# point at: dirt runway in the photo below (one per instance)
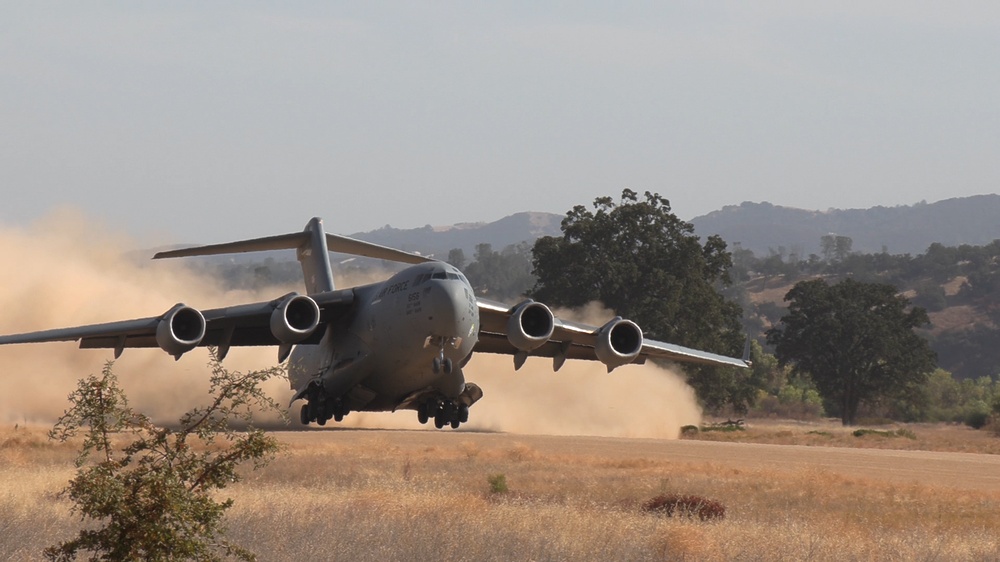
(964, 471)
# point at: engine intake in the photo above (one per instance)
(294, 319)
(618, 343)
(529, 326)
(180, 330)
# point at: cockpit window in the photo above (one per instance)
(444, 275)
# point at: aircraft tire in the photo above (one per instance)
(439, 422)
(321, 421)
(422, 416)
(455, 424)
(448, 366)
(463, 413)
(304, 414)
(436, 365)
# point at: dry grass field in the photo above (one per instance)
(340, 494)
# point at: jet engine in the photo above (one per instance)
(618, 342)
(529, 326)
(180, 330)
(294, 319)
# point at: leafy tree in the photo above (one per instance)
(836, 248)
(637, 258)
(456, 257)
(148, 492)
(502, 275)
(856, 341)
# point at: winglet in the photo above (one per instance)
(746, 352)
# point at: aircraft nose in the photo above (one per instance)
(451, 308)
(443, 306)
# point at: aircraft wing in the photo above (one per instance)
(512, 330)
(285, 321)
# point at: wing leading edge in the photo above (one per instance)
(284, 322)
(618, 342)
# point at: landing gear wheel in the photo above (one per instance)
(304, 414)
(436, 365)
(463, 413)
(455, 424)
(439, 421)
(321, 421)
(448, 366)
(422, 417)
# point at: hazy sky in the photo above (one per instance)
(210, 121)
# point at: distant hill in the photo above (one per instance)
(760, 227)
(905, 229)
(514, 229)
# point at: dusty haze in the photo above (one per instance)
(66, 271)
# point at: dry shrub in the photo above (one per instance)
(688, 506)
(521, 452)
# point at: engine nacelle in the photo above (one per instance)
(294, 319)
(529, 326)
(618, 343)
(180, 330)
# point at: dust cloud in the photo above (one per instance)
(66, 270)
(582, 398)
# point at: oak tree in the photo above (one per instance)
(855, 340)
(638, 259)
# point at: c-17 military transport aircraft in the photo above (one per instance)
(398, 344)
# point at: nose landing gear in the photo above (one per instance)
(442, 363)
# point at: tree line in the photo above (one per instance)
(849, 343)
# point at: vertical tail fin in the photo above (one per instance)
(310, 248)
(315, 259)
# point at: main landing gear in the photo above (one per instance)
(319, 409)
(443, 412)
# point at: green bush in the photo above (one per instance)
(901, 432)
(498, 483)
(976, 419)
(689, 430)
(151, 493)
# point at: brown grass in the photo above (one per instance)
(377, 495)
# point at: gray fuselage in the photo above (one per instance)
(402, 331)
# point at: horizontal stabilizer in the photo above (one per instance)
(299, 240)
(345, 245)
(282, 242)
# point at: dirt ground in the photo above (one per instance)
(960, 470)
